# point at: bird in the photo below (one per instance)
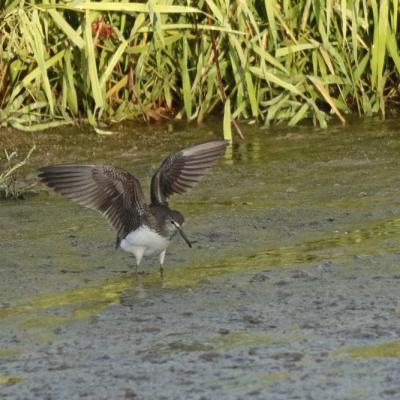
(142, 229)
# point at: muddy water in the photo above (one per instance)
(291, 289)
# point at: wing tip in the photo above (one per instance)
(213, 146)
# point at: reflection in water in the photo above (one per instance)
(228, 156)
(245, 152)
(253, 150)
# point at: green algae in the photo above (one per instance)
(10, 352)
(276, 376)
(251, 338)
(226, 342)
(10, 379)
(251, 381)
(383, 350)
(356, 392)
(99, 297)
(45, 320)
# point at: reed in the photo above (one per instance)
(9, 189)
(269, 61)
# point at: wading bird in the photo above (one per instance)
(142, 229)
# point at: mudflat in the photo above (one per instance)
(291, 290)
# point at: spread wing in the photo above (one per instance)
(115, 193)
(179, 172)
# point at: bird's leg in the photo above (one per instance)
(138, 256)
(162, 256)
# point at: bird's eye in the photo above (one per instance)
(172, 222)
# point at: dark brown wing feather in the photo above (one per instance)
(180, 171)
(115, 193)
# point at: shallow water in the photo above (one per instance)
(291, 287)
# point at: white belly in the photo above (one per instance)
(144, 241)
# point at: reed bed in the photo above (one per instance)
(269, 61)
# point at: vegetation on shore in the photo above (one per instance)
(9, 188)
(269, 61)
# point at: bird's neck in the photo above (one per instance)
(159, 216)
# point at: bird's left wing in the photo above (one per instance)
(115, 193)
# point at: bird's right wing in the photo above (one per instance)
(179, 172)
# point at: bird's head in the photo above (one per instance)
(175, 221)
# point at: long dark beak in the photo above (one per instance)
(185, 238)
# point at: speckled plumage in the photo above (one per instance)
(118, 195)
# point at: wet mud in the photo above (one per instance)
(291, 290)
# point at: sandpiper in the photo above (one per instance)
(142, 229)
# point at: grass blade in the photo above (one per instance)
(227, 121)
(67, 29)
(318, 84)
(91, 59)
